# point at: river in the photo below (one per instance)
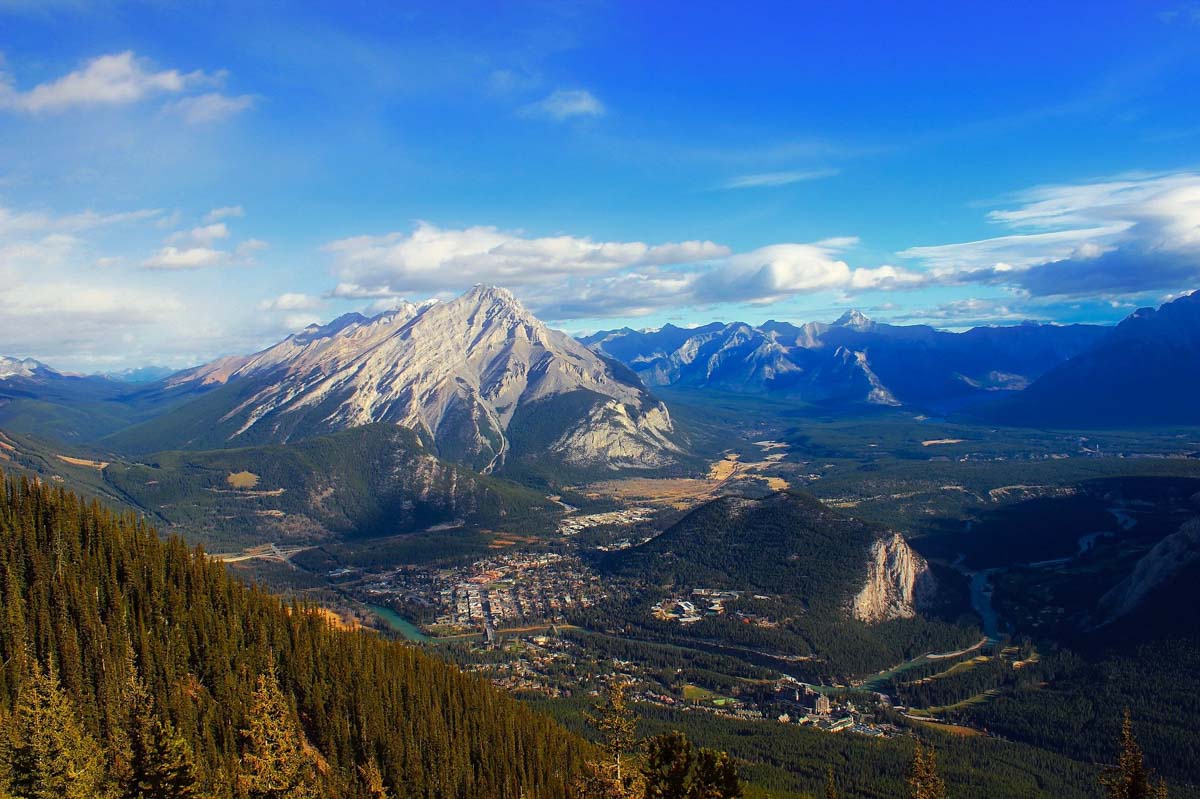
(398, 624)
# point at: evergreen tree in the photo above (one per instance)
(161, 764)
(46, 751)
(924, 782)
(668, 765)
(673, 770)
(611, 777)
(372, 781)
(715, 777)
(276, 760)
(1129, 778)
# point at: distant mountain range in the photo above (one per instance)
(1145, 371)
(852, 360)
(484, 383)
(479, 379)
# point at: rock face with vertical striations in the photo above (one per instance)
(898, 584)
(478, 379)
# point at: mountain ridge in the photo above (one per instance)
(853, 359)
(457, 373)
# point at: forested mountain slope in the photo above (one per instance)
(103, 621)
(1146, 371)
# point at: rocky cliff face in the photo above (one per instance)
(1163, 562)
(899, 582)
(456, 373)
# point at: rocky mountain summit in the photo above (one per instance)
(1143, 372)
(852, 359)
(22, 367)
(478, 379)
(899, 582)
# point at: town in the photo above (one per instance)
(492, 594)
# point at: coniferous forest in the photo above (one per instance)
(136, 667)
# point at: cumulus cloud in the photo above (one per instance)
(570, 277)
(292, 301)
(432, 258)
(171, 257)
(69, 300)
(566, 104)
(210, 107)
(204, 235)
(777, 271)
(117, 79)
(774, 179)
(246, 249)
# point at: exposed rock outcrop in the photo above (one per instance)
(1163, 562)
(898, 583)
(455, 372)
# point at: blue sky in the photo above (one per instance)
(183, 180)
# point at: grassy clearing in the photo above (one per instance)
(242, 480)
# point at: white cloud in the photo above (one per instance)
(1128, 234)
(570, 276)
(774, 179)
(117, 79)
(225, 212)
(970, 311)
(204, 235)
(186, 258)
(431, 258)
(246, 249)
(1015, 252)
(103, 319)
(25, 222)
(777, 271)
(565, 104)
(291, 301)
(211, 107)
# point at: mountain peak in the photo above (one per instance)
(854, 318)
(22, 367)
(483, 294)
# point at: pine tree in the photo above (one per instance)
(1129, 778)
(372, 781)
(673, 770)
(47, 753)
(715, 777)
(668, 765)
(611, 777)
(276, 759)
(161, 762)
(924, 782)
